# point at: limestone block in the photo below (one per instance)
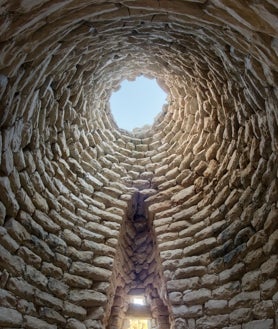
(184, 311)
(245, 299)
(251, 280)
(268, 288)
(7, 299)
(73, 310)
(264, 309)
(97, 248)
(2, 213)
(10, 317)
(213, 321)
(271, 247)
(46, 222)
(90, 271)
(227, 291)
(254, 258)
(103, 261)
(43, 298)
(7, 241)
(183, 284)
(200, 296)
(271, 222)
(241, 315)
(8, 197)
(58, 288)
(25, 201)
(75, 324)
(75, 281)
(13, 264)
(7, 162)
(71, 238)
(31, 322)
(269, 267)
(26, 307)
(16, 230)
(80, 255)
(51, 270)
(35, 277)
(214, 306)
(184, 194)
(199, 247)
(232, 274)
(87, 298)
(21, 288)
(89, 234)
(51, 316)
(175, 298)
(191, 271)
(258, 324)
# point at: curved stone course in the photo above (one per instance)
(183, 212)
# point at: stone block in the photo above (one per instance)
(51, 270)
(232, 274)
(74, 324)
(31, 322)
(87, 298)
(184, 194)
(268, 288)
(259, 324)
(193, 297)
(216, 306)
(240, 315)
(270, 267)
(227, 291)
(245, 299)
(75, 311)
(264, 309)
(45, 299)
(58, 288)
(35, 277)
(10, 318)
(191, 271)
(13, 264)
(52, 316)
(183, 311)
(7, 299)
(175, 298)
(211, 322)
(251, 280)
(8, 198)
(90, 271)
(183, 284)
(200, 247)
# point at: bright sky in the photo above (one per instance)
(137, 103)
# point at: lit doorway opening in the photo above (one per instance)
(138, 314)
(137, 103)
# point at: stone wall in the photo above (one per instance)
(184, 212)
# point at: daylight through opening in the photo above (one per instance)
(137, 103)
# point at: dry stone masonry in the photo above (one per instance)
(183, 213)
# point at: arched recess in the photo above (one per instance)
(137, 272)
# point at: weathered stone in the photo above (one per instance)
(214, 321)
(10, 318)
(184, 208)
(187, 312)
(31, 322)
(87, 298)
(196, 296)
(258, 324)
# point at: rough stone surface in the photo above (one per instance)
(183, 212)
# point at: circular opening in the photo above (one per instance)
(137, 103)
